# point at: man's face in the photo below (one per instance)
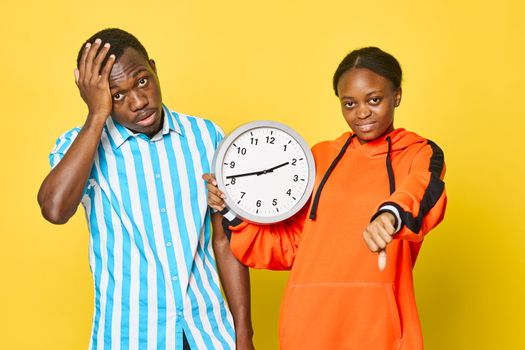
(135, 89)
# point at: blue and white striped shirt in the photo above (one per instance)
(150, 250)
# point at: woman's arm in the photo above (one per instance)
(270, 247)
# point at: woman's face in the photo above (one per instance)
(368, 101)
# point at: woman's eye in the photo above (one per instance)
(349, 104)
(118, 97)
(143, 81)
(375, 100)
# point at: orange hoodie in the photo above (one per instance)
(336, 297)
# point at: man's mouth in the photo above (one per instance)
(147, 119)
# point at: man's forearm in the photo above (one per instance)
(235, 280)
(62, 189)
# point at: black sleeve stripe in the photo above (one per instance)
(437, 161)
(433, 192)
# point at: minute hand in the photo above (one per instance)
(261, 172)
(245, 174)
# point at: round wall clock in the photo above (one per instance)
(266, 171)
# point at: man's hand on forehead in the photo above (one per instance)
(92, 78)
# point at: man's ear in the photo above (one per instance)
(152, 64)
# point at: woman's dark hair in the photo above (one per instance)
(119, 41)
(372, 58)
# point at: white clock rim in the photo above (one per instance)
(218, 165)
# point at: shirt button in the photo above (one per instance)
(179, 313)
(175, 278)
(157, 175)
(168, 244)
(163, 210)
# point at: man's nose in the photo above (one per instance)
(137, 101)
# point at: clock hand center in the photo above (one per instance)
(270, 170)
(261, 172)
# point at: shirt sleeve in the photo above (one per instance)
(419, 202)
(270, 247)
(219, 135)
(61, 146)
(217, 138)
(216, 133)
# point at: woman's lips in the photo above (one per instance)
(366, 127)
(149, 120)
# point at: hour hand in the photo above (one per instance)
(261, 172)
(272, 169)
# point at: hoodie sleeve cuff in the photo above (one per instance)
(398, 224)
(229, 219)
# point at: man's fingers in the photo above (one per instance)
(90, 58)
(107, 68)
(77, 75)
(82, 63)
(97, 62)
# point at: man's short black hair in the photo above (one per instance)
(119, 41)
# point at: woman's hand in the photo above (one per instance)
(378, 234)
(215, 196)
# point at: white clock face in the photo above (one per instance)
(266, 174)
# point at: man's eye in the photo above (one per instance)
(349, 105)
(118, 97)
(143, 81)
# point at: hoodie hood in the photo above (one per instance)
(382, 147)
(399, 139)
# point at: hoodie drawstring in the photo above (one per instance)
(315, 204)
(389, 170)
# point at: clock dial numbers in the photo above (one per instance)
(270, 139)
(263, 171)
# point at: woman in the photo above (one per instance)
(378, 189)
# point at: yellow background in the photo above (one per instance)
(236, 61)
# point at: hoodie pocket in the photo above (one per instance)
(340, 316)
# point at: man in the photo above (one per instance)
(136, 168)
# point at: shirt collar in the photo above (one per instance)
(120, 134)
